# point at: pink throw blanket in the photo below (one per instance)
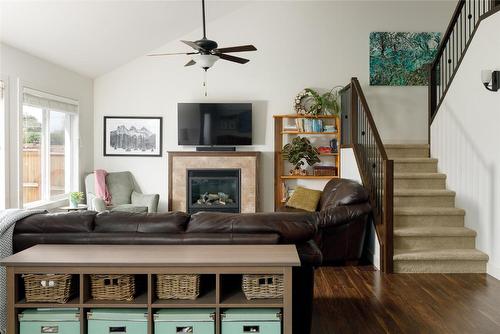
(101, 190)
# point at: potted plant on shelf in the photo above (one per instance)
(330, 101)
(297, 151)
(75, 198)
(310, 102)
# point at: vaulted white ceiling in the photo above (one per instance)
(95, 37)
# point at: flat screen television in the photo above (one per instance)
(214, 124)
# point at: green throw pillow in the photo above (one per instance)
(305, 199)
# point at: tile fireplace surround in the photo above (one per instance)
(180, 162)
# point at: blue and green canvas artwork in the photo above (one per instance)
(401, 58)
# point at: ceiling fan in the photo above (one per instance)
(207, 52)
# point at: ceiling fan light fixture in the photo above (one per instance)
(205, 61)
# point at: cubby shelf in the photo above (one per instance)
(292, 177)
(237, 299)
(229, 295)
(220, 267)
(206, 299)
(73, 302)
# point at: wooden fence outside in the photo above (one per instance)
(32, 173)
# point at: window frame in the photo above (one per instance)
(4, 149)
(71, 151)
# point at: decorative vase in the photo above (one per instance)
(73, 203)
(297, 171)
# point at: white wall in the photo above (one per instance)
(301, 44)
(464, 138)
(18, 66)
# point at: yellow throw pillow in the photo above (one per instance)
(305, 199)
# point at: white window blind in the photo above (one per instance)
(38, 99)
(1, 89)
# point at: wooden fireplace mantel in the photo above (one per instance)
(180, 161)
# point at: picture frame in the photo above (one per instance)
(132, 136)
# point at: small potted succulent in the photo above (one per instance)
(75, 198)
(297, 151)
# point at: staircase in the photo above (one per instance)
(429, 231)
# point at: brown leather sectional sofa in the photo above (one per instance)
(338, 227)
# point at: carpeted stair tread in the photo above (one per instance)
(419, 176)
(435, 231)
(409, 146)
(440, 255)
(414, 160)
(428, 211)
(423, 192)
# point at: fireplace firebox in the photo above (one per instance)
(213, 190)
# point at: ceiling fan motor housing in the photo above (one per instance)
(206, 44)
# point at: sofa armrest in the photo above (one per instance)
(310, 254)
(151, 201)
(341, 215)
(98, 204)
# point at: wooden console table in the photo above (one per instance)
(220, 265)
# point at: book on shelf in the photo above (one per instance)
(309, 125)
(325, 171)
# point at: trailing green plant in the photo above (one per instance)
(76, 196)
(327, 103)
(299, 149)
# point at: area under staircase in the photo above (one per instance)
(429, 231)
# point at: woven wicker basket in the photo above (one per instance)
(47, 288)
(263, 286)
(113, 287)
(177, 286)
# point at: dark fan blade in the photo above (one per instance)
(241, 48)
(191, 62)
(233, 58)
(172, 54)
(193, 45)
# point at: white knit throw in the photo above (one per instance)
(8, 219)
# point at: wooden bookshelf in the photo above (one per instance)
(283, 134)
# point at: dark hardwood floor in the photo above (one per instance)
(362, 300)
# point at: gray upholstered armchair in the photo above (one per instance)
(124, 194)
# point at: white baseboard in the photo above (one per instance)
(376, 262)
(493, 270)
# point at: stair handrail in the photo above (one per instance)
(376, 169)
(464, 22)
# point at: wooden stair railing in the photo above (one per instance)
(463, 25)
(377, 171)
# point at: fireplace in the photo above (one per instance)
(213, 190)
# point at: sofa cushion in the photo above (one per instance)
(339, 192)
(116, 221)
(64, 222)
(292, 227)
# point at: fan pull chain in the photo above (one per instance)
(205, 82)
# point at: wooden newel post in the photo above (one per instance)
(388, 213)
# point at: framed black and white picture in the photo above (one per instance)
(133, 136)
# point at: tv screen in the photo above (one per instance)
(214, 124)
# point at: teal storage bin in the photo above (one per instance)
(41, 321)
(175, 321)
(117, 321)
(244, 321)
